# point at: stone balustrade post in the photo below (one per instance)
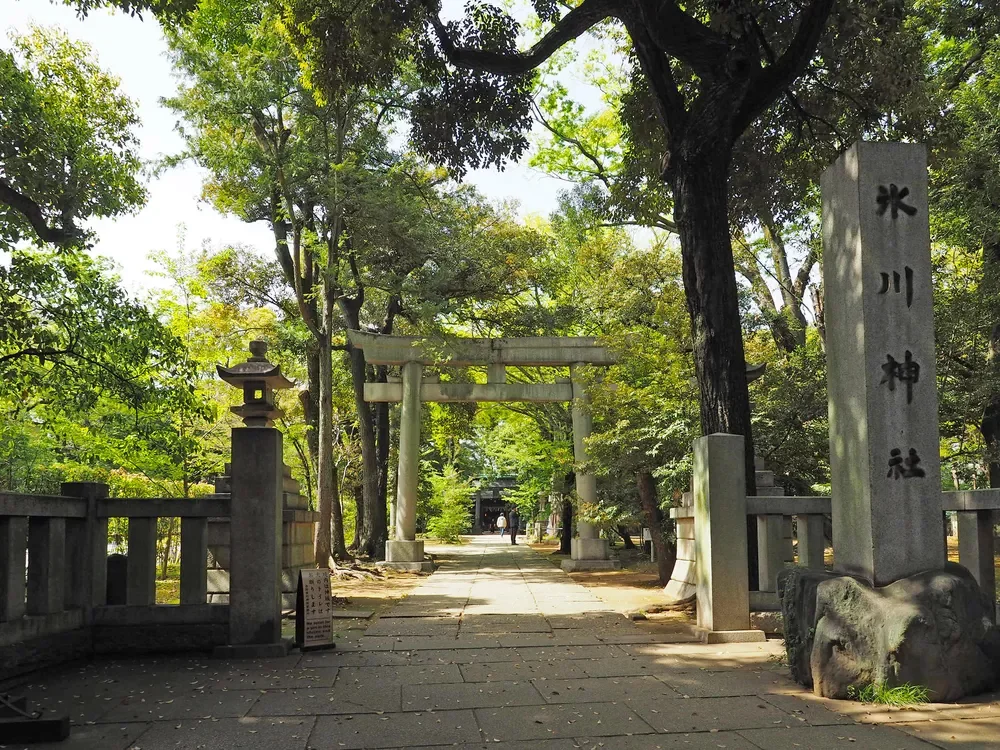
(46, 565)
(770, 551)
(812, 542)
(140, 585)
(13, 547)
(255, 545)
(720, 507)
(194, 560)
(87, 549)
(975, 549)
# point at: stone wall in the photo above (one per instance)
(297, 531)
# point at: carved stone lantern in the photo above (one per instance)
(259, 379)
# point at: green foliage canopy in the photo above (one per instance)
(68, 150)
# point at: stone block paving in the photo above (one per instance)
(497, 650)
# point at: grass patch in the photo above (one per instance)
(901, 695)
(168, 590)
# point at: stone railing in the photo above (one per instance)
(54, 566)
(716, 504)
(54, 575)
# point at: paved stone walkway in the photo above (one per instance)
(498, 649)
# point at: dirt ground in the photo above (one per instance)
(634, 589)
(378, 594)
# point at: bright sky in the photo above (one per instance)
(135, 51)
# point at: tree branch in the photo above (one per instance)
(33, 213)
(767, 83)
(679, 35)
(601, 172)
(575, 23)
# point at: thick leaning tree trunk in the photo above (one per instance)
(626, 537)
(665, 556)
(701, 208)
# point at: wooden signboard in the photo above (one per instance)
(314, 610)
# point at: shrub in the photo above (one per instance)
(451, 498)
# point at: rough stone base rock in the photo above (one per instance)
(769, 623)
(932, 629)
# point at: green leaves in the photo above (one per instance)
(72, 334)
(67, 147)
(450, 504)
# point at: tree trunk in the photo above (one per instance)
(700, 187)
(373, 526)
(373, 523)
(626, 539)
(167, 546)
(310, 404)
(322, 544)
(566, 533)
(337, 531)
(990, 424)
(665, 555)
(359, 504)
(330, 534)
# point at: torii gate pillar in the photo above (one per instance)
(587, 550)
(405, 552)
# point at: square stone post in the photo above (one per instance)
(87, 549)
(46, 565)
(884, 459)
(140, 580)
(588, 550)
(405, 552)
(975, 549)
(255, 545)
(812, 543)
(13, 547)
(720, 508)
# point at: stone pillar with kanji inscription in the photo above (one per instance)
(883, 406)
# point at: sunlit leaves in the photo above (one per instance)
(67, 141)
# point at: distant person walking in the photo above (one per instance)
(514, 521)
(501, 524)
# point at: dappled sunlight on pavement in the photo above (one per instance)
(497, 649)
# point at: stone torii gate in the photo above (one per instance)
(411, 354)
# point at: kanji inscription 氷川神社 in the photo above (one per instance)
(891, 199)
(904, 468)
(885, 463)
(896, 278)
(907, 371)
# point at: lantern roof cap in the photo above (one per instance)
(256, 368)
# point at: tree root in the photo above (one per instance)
(357, 570)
